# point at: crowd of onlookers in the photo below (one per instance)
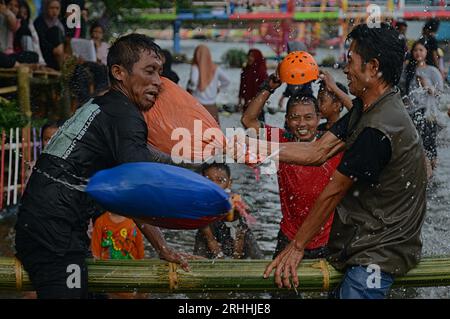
(48, 41)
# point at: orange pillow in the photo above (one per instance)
(179, 125)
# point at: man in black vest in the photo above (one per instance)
(379, 188)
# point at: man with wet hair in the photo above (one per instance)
(52, 224)
(379, 186)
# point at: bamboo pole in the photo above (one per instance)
(23, 83)
(8, 90)
(22, 164)
(16, 167)
(215, 276)
(8, 189)
(2, 169)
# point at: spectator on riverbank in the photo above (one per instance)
(101, 47)
(206, 80)
(26, 38)
(51, 34)
(10, 24)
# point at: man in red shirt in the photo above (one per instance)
(299, 186)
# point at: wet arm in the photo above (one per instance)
(211, 241)
(311, 154)
(322, 209)
(344, 98)
(250, 117)
(153, 235)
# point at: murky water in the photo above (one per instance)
(263, 197)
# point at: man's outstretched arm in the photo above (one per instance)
(311, 154)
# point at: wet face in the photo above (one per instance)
(420, 52)
(143, 84)
(219, 177)
(14, 6)
(359, 74)
(327, 105)
(97, 34)
(47, 135)
(54, 9)
(302, 120)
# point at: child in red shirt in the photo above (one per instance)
(116, 237)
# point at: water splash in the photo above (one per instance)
(80, 188)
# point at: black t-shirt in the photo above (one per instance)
(108, 131)
(368, 155)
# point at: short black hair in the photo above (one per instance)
(303, 99)
(220, 166)
(432, 25)
(51, 124)
(400, 23)
(96, 25)
(126, 51)
(341, 86)
(384, 44)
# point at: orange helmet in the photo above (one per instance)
(298, 67)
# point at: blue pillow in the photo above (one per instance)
(161, 195)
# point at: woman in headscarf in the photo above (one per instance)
(167, 67)
(51, 33)
(206, 80)
(252, 76)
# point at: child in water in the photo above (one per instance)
(330, 103)
(232, 236)
(116, 237)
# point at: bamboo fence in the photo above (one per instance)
(215, 276)
(19, 146)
